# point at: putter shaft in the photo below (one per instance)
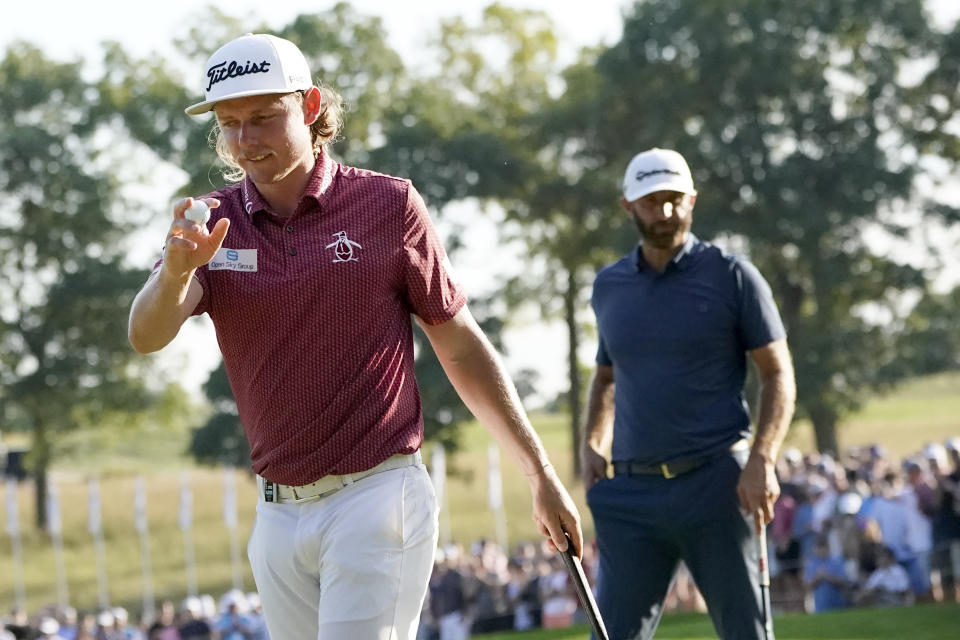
(583, 591)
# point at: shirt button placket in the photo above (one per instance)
(291, 250)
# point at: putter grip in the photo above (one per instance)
(583, 590)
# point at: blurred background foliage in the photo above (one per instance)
(818, 133)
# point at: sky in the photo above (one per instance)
(78, 27)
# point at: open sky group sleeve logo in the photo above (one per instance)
(343, 247)
(234, 260)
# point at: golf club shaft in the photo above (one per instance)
(583, 591)
(763, 560)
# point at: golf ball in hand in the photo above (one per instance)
(199, 212)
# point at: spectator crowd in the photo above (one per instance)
(866, 529)
(861, 529)
(237, 617)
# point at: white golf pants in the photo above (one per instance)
(353, 564)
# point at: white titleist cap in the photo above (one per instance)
(252, 65)
(657, 170)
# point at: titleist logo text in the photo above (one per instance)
(220, 72)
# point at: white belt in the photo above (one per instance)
(275, 492)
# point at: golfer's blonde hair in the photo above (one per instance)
(325, 130)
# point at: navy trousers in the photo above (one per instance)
(646, 524)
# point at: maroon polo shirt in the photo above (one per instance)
(313, 317)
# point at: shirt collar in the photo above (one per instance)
(316, 188)
(321, 178)
(680, 261)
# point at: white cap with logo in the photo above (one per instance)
(657, 170)
(251, 65)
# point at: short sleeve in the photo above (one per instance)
(603, 358)
(201, 275)
(432, 290)
(760, 322)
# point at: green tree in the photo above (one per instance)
(798, 123)
(220, 441)
(936, 102)
(478, 128)
(931, 335)
(64, 291)
(443, 411)
(349, 52)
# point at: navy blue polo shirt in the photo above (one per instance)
(677, 342)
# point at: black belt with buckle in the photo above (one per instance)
(667, 469)
(670, 469)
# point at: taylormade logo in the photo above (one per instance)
(223, 71)
(646, 174)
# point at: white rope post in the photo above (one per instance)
(186, 526)
(95, 527)
(142, 525)
(230, 520)
(16, 547)
(55, 525)
(495, 496)
(438, 474)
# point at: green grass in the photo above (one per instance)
(926, 622)
(922, 410)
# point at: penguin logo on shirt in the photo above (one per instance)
(343, 247)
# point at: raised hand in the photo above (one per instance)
(190, 245)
